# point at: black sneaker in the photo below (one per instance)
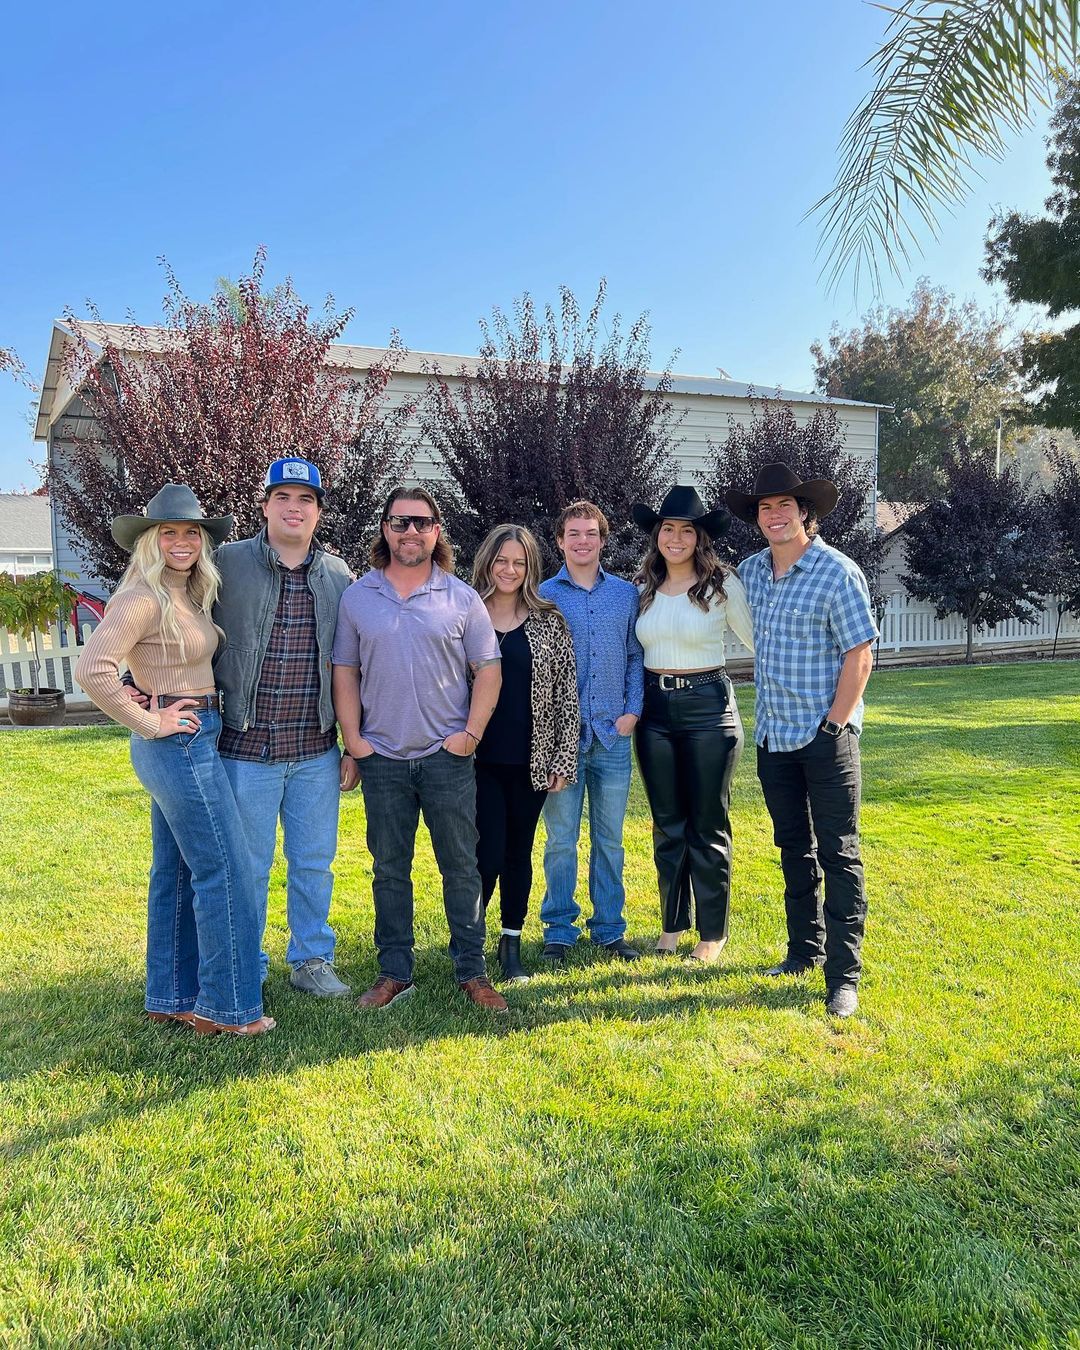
(842, 1000)
(790, 965)
(555, 953)
(622, 949)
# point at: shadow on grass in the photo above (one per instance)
(94, 1024)
(824, 1224)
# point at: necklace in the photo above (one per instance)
(500, 638)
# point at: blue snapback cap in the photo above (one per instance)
(294, 473)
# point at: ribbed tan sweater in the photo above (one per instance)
(130, 634)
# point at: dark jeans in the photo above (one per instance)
(443, 786)
(507, 811)
(813, 797)
(688, 743)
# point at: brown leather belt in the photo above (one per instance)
(209, 702)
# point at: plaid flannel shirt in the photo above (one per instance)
(286, 723)
(804, 624)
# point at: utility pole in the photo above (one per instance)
(997, 455)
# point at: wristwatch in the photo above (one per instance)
(832, 728)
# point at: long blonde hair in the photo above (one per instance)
(148, 567)
(534, 567)
(709, 585)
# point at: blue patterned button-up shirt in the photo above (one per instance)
(610, 662)
(804, 624)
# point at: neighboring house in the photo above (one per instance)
(891, 521)
(25, 534)
(709, 406)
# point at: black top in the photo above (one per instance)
(509, 733)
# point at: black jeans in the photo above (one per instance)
(813, 797)
(688, 743)
(443, 786)
(507, 810)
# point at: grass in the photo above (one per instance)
(639, 1156)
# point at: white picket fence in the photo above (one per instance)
(60, 653)
(907, 626)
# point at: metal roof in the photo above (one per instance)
(56, 394)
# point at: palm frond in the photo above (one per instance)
(953, 80)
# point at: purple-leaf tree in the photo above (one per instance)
(555, 412)
(209, 399)
(985, 549)
(813, 449)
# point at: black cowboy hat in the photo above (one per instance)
(682, 503)
(175, 502)
(776, 480)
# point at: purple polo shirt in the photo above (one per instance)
(413, 653)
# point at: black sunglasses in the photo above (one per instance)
(422, 524)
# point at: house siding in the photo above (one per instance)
(704, 417)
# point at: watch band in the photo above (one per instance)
(832, 728)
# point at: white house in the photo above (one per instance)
(708, 405)
(25, 534)
(891, 520)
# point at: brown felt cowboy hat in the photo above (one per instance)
(682, 503)
(175, 502)
(776, 480)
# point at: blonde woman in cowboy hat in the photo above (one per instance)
(202, 942)
(690, 737)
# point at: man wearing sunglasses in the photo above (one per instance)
(409, 635)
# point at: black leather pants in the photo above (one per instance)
(688, 743)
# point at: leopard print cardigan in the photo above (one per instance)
(556, 720)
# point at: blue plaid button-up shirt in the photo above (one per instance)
(610, 661)
(804, 624)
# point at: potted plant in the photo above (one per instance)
(28, 607)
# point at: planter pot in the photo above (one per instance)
(43, 709)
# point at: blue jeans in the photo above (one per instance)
(605, 776)
(202, 934)
(305, 794)
(395, 791)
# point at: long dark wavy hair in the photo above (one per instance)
(442, 554)
(709, 585)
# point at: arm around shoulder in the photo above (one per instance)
(739, 617)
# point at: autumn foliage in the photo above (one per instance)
(209, 399)
(554, 412)
(814, 449)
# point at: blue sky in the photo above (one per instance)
(426, 162)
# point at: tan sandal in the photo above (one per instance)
(186, 1019)
(710, 957)
(204, 1026)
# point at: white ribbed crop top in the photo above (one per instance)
(677, 635)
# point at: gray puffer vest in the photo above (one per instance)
(245, 611)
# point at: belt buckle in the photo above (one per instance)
(677, 682)
(219, 701)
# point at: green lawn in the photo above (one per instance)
(643, 1156)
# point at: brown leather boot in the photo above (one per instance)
(479, 989)
(384, 991)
